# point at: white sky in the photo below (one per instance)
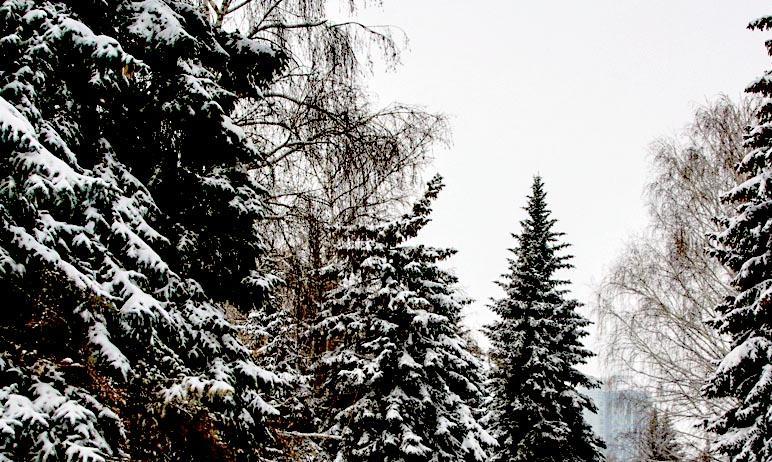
(573, 90)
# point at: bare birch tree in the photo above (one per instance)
(655, 300)
(330, 157)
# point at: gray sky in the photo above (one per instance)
(573, 90)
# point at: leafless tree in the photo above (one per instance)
(655, 300)
(329, 157)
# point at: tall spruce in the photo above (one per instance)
(536, 406)
(126, 218)
(744, 245)
(400, 382)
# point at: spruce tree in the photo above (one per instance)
(536, 406)
(658, 441)
(744, 246)
(126, 216)
(399, 381)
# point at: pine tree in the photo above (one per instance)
(536, 408)
(658, 441)
(399, 381)
(744, 247)
(127, 215)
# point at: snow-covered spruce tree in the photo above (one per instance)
(124, 207)
(744, 246)
(399, 381)
(536, 410)
(658, 441)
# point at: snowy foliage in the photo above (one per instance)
(118, 157)
(743, 246)
(400, 381)
(658, 441)
(44, 416)
(536, 412)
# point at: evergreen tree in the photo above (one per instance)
(536, 408)
(744, 246)
(399, 381)
(126, 215)
(658, 441)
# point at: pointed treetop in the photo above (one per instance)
(538, 214)
(537, 255)
(422, 208)
(410, 223)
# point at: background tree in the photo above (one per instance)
(537, 407)
(658, 442)
(655, 300)
(743, 245)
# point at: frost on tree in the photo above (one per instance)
(536, 409)
(745, 246)
(126, 217)
(400, 382)
(658, 440)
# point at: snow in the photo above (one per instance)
(76, 452)
(412, 444)
(252, 46)
(751, 349)
(407, 361)
(138, 249)
(11, 120)
(258, 374)
(155, 22)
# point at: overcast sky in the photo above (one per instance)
(572, 90)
